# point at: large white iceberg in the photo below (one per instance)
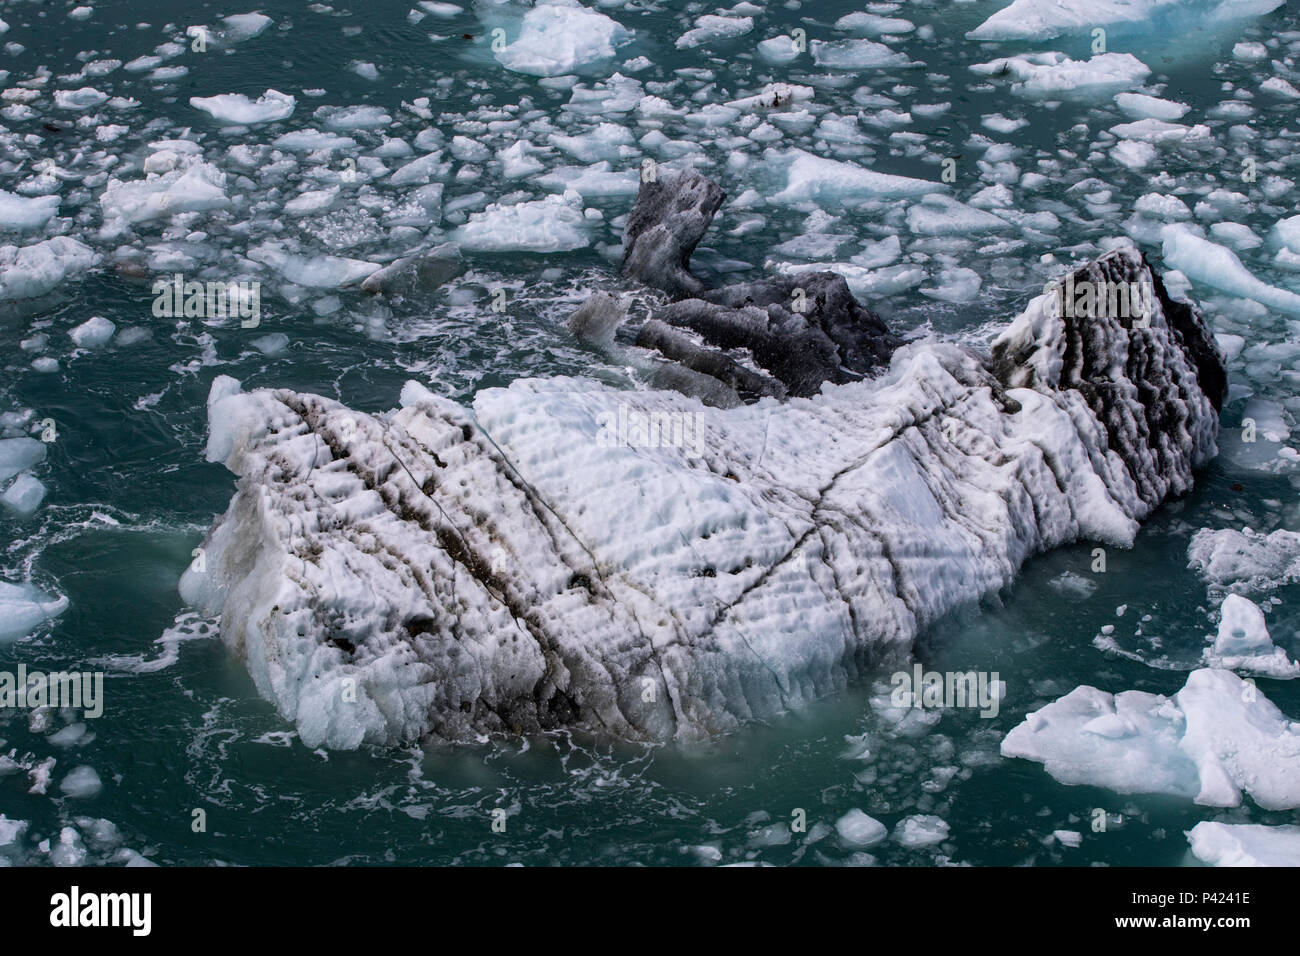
(539, 560)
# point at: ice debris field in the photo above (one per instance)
(401, 209)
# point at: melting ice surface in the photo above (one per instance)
(307, 145)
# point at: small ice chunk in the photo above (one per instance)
(921, 830)
(1045, 19)
(937, 215)
(23, 608)
(1070, 838)
(30, 271)
(1132, 154)
(1243, 642)
(19, 454)
(710, 27)
(311, 201)
(24, 496)
(857, 55)
(1214, 739)
(82, 783)
(816, 178)
(317, 272)
(857, 830)
(244, 26)
(1242, 628)
(955, 285)
(516, 161)
(94, 333)
(82, 99)
(780, 50)
(197, 188)
(1142, 106)
(22, 213)
(553, 224)
(1219, 268)
(236, 109)
(1280, 87)
(872, 25)
(1166, 208)
(272, 344)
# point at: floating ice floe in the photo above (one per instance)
(710, 27)
(1045, 19)
(81, 783)
(921, 830)
(780, 50)
(244, 26)
(23, 608)
(23, 213)
(24, 495)
(871, 25)
(94, 333)
(857, 830)
(30, 271)
(1280, 87)
(1243, 642)
(1245, 560)
(236, 109)
(83, 99)
(311, 201)
(317, 272)
(196, 186)
(556, 223)
(558, 37)
(597, 179)
(538, 561)
(19, 454)
(344, 119)
(1150, 107)
(1214, 739)
(1052, 75)
(1219, 268)
(810, 177)
(1245, 844)
(857, 55)
(1160, 131)
(939, 215)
